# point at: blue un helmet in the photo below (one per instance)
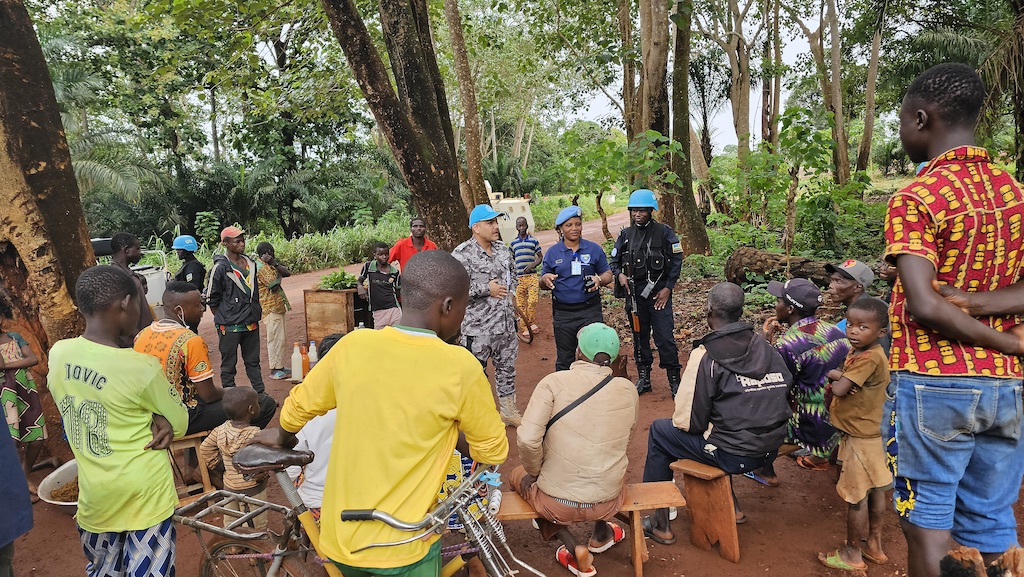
(185, 242)
(643, 198)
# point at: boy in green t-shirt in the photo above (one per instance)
(116, 405)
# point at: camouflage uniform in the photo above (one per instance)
(489, 329)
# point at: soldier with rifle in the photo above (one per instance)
(646, 262)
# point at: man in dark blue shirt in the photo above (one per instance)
(574, 270)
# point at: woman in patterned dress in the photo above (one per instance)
(19, 396)
(811, 348)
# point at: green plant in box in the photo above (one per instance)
(338, 280)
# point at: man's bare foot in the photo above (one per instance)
(584, 560)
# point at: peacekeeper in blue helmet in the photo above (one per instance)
(192, 271)
(574, 270)
(646, 261)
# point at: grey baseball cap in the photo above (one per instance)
(854, 269)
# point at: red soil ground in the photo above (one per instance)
(787, 527)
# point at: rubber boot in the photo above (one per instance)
(509, 413)
(673, 381)
(643, 380)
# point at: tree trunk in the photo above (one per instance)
(705, 198)
(44, 241)
(214, 136)
(494, 139)
(748, 260)
(415, 122)
(766, 85)
(864, 151)
(604, 216)
(529, 143)
(777, 76)
(470, 112)
(654, 53)
(629, 88)
(689, 222)
(842, 150)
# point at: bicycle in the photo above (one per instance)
(266, 554)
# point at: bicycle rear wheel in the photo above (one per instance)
(222, 561)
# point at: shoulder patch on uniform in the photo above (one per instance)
(614, 251)
(188, 277)
(677, 247)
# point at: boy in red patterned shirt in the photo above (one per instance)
(952, 413)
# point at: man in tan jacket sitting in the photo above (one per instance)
(574, 462)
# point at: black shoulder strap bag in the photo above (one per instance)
(577, 402)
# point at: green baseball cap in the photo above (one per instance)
(598, 338)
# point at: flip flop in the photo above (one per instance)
(741, 519)
(565, 559)
(649, 532)
(876, 560)
(834, 561)
(754, 476)
(807, 463)
(617, 535)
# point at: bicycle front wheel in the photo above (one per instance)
(235, 558)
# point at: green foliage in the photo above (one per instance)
(207, 227)
(338, 280)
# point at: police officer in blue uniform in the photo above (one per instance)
(646, 262)
(574, 270)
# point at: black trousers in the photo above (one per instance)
(249, 342)
(567, 320)
(207, 416)
(661, 324)
(667, 444)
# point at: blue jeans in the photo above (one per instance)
(953, 446)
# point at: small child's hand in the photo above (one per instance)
(853, 390)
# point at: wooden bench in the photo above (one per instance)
(639, 497)
(709, 499)
(183, 444)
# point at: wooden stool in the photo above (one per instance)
(191, 442)
(709, 499)
(639, 497)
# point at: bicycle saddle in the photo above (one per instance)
(258, 458)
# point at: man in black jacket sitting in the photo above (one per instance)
(731, 408)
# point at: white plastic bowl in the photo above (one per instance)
(63, 474)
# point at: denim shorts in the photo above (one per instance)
(953, 446)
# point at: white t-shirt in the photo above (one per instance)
(315, 436)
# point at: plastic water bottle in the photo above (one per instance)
(313, 358)
(296, 364)
(305, 361)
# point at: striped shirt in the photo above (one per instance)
(525, 251)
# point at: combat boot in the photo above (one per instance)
(673, 381)
(643, 380)
(509, 413)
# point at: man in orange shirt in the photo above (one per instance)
(186, 360)
(417, 241)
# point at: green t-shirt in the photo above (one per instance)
(107, 397)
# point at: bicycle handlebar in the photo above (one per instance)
(358, 514)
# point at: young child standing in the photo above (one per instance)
(527, 255)
(385, 286)
(110, 399)
(856, 411)
(241, 405)
(275, 304)
(19, 396)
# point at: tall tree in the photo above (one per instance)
(477, 193)
(864, 151)
(44, 242)
(415, 120)
(689, 222)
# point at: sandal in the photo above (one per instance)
(648, 527)
(881, 560)
(566, 559)
(763, 480)
(617, 535)
(805, 462)
(834, 561)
